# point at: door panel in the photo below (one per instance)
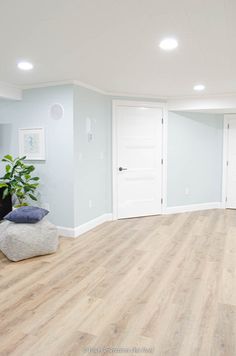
(139, 149)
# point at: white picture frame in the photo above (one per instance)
(32, 143)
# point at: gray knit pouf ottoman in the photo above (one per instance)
(21, 241)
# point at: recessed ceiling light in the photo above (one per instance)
(199, 87)
(168, 44)
(25, 65)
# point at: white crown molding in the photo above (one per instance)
(222, 103)
(91, 87)
(201, 96)
(125, 94)
(9, 91)
(46, 84)
(63, 82)
(15, 92)
(88, 86)
(133, 95)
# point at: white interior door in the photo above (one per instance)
(139, 160)
(231, 164)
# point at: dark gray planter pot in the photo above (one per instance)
(5, 205)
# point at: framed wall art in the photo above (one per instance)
(32, 144)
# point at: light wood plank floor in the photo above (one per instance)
(164, 283)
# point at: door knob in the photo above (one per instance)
(122, 169)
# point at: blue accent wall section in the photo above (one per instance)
(195, 154)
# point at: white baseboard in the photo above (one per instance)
(66, 231)
(81, 229)
(193, 207)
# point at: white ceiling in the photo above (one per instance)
(113, 44)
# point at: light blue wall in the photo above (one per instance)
(92, 159)
(93, 174)
(195, 146)
(56, 172)
(77, 171)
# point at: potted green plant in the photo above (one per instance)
(18, 181)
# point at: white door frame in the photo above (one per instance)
(227, 118)
(163, 107)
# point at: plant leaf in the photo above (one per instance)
(8, 158)
(32, 197)
(17, 179)
(7, 176)
(35, 178)
(8, 168)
